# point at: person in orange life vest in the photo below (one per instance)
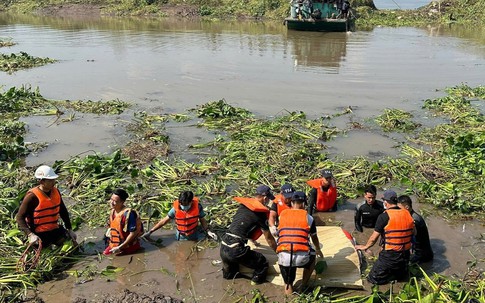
(40, 210)
(395, 226)
(187, 212)
(281, 202)
(295, 229)
(366, 212)
(323, 195)
(124, 226)
(421, 248)
(248, 223)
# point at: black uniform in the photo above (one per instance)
(421, 244)
(366, 214)
(234, 250)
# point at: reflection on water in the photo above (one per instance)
(317, 52)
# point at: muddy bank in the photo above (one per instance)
(129, 296)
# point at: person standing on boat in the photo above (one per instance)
(41, 209)
(187, 213)
(366, 212)
(345, 9)
(125, 226)
(281, 202)
(421, 248)
(295, 229)
(323, 195)
(249, 222)
(395, 226)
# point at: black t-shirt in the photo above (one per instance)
(246, 221)
(382, 221)
(422, 245)
(366, 215)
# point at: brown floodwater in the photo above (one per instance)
(168, 66)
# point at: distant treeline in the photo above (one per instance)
(440, 11)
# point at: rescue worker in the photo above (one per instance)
(366, 212)
(295, 228)
(395, 226)
(323, 195)
(187, 212)
(248, 223)
(125, 226)
(281, 202)
(40, 210)
(421, 248)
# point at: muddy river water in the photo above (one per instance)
(170, 66)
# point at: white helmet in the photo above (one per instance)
(45, 172)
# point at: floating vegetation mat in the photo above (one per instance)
(14, 62)
(442, 165)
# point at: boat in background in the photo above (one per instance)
(321, 16)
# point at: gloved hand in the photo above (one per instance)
(115, 250)
(33, 238)
(146, 235)
(274, 231)
(72, 234)
(212, 235)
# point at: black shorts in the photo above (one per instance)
(289, 273)
(56, 236)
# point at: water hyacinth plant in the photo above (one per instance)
(443, 165)
(14, 62)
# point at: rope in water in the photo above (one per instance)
(23, 261)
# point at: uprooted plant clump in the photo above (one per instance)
(442, 165)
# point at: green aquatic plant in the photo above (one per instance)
(396, 120)
(12, 144)
(14, 62)
(219, 113)
(21, 101)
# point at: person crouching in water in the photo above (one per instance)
(124, 226)
(249, 222)
(187, 212)
(40, 210)
(323, 195)
(295, 229)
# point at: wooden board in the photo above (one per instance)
(343, 269)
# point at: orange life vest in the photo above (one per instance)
(256, 206)
(325, 199)
(280, 204)
(399, 230)
(187, 220)
(119, 227)
(293, 231)
(46, 214)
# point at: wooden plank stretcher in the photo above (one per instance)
(343, 264)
